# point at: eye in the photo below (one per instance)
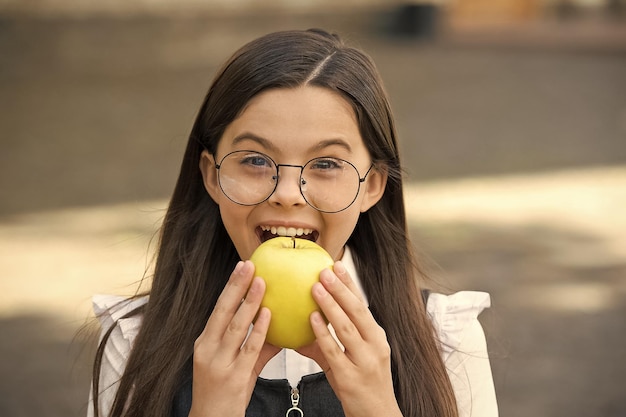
(324, 164)
(256, 160)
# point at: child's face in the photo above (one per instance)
(293, 126)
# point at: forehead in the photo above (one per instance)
(302, 119)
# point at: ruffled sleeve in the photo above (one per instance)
(110, 309)
(464, 350)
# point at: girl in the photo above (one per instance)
(286, 111)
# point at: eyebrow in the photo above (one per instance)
(267, 144)
(323, 144)
(255, 138)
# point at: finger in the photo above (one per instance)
(349, 304)
(253, 349)
(229, 300)
(345, 330)
(340, 270)
(239, 326)
(326, 352)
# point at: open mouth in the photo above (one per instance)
(266, 233)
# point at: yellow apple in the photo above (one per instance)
(290, 268)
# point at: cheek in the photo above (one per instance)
(339, 229)
(234, 218)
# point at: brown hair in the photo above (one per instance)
(196, 256)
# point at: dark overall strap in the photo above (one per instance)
(425, 294)
(272, 398)
(182, 399)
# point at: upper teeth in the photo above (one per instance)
(287, 231)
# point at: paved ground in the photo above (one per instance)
(516, 148)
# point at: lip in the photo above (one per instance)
(268, 230)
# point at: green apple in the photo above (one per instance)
(290, 268)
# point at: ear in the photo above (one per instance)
(209, 176)
(374, 187)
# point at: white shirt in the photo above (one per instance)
(455, 318)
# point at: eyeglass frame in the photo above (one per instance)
(301, 182)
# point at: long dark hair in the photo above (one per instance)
(196, 256)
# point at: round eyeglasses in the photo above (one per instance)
(327, 184)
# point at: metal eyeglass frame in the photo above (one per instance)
(300, 183)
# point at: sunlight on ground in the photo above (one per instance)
(590, 201)
(55, 261)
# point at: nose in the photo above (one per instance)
(287, 192)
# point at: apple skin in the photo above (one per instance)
(290, 268)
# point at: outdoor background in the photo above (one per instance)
(512, 121)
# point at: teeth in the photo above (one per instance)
(286, 231)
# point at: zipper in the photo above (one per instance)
(295, 411)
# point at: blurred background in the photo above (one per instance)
(512, 121)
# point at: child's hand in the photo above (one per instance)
(360, 375)
(224, 368)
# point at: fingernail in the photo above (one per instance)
(316, 317)
(264, 313)
(327, 276)
(339, 268)
(320, 290)
(255, 285)
(238, 267)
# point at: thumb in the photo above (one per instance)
(267, 352)
(314, 352)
